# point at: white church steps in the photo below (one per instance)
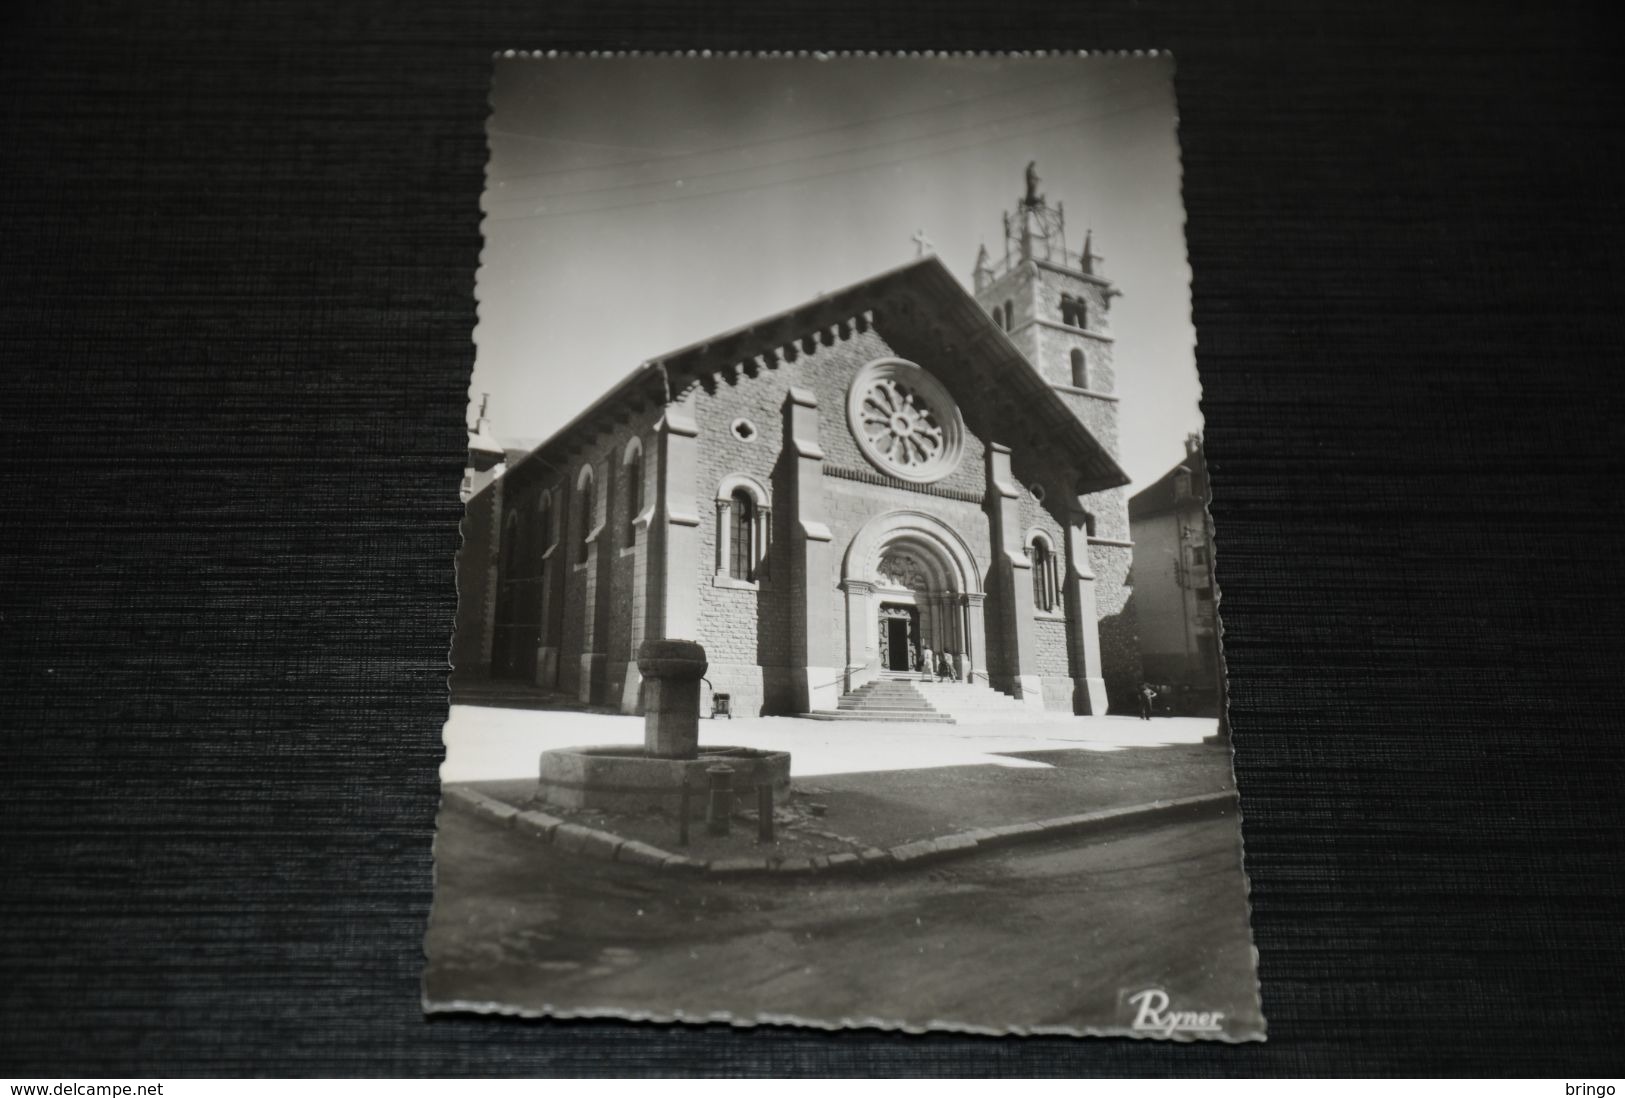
(974, 702)
(889, 699)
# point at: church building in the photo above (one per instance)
(821, 496)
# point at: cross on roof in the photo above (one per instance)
(922, 243)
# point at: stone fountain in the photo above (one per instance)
(629, 778)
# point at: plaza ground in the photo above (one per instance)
(1051, 935)
(486, 743)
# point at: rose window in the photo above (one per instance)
(904, 420)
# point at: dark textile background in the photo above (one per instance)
(236, 263)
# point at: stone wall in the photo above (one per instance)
(749, 630)
(1053, 655)
(743, 629)
(1119, 645)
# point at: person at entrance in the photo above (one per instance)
(926, 659)
(945, 668)
(1148, 698)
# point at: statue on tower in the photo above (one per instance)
(1033, 197)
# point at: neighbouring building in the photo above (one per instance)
(487, 459)
(1175, 595)
(819, 496)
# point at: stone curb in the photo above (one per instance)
(593, 843)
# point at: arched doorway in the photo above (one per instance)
(911, 584)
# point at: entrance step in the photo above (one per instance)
(918, 716)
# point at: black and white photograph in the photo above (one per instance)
(837, 638)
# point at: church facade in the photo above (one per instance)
(821, 496)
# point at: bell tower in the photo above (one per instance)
(1056, 307)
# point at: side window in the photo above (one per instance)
(634, 496)
(584, 509)
(1046, 577)
(741, 565)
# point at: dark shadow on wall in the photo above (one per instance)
(778, 643)
(1120, 659)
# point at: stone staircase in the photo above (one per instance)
(896, 697)
(974, 702)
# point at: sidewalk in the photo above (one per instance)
(868, 787)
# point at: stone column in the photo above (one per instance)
(1082, 622)
(953, 626)
(764, 541)
(547, 642)
(671, 671)
(1012, 577)
(860, 633)
(975, 635)
(674, 563)
(724, 538)
(637, 625)
(592, 660)
(815, 680)
(493, 576)
(557, 577)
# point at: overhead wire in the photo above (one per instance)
(824, 155)
(690, 196)
(873, 120)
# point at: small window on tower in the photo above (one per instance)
(744, 430)
(1080, 314)
(1080, 370)
(1009, 315)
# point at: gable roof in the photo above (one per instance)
(1162, 494)
(923, 286)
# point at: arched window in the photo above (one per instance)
(743, 531)
(1009, 315)
(741, 541)
(634, 491)
(584, 510)
(1046, 577)
(1080, 370)
(544, 521)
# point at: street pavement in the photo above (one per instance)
(1048, 937)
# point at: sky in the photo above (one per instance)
(636, 205)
